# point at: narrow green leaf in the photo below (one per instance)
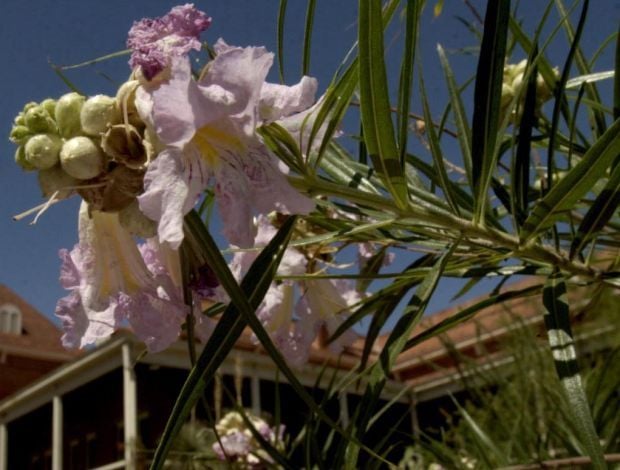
(617, 78)
(305, 60)
(468, 313)
(520, 181)
(557, 322)
(435, 146)
(246, 311)
(598, 117)
(413, 10)
(458, 110)
(601, 211)
(230, 326)
(375, 103)
(575, 184)
(559, 91)
(487, 97)
(122, 53)
(280, 38)
(394, 345)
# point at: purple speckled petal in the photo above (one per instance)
(172, 184)
(154, 41)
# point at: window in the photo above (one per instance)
(10, 319)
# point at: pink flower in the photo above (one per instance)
(294, 312)
(154, 40)
(208, 130)
(112, 282)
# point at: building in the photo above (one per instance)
(106, 408)
(29, 344)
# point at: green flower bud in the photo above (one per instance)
(517, 82)
(42, 150)
(67, 114)
(55, 179)
(28, 106)
(19, 120)
(49, 105)
(20, 135)
(135, 222)
(20, 159)
(38, 120)
(98, 113)
(81, 158)
(507, 94)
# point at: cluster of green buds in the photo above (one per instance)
(514, 84)
(97, 147)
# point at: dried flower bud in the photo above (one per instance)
(67, 114)
(55, 179)
(98, 113)
(20, 135)
(42, 150)
(135, 222)
(38, 120)
(123, 143)
(20, 159)
(125, 97)
(81, 158)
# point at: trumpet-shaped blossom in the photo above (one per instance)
(237, 443)
(113, 282)
(208, 130)
(154, 40)
(294, 313)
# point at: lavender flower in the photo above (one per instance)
(208, 131)
(295, 312)
(154, 40)
(112, 282)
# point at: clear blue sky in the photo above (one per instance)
(71, 31)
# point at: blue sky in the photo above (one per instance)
(63, 32)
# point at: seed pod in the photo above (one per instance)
(55, 179)
(98, 113)
(67, 114)
(81, 158)
(42, 150)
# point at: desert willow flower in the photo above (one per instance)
(298, 313)
(113, 282)
(208, 129)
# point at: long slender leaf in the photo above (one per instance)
(557, 322)
(575, 184)
(520, 182)
(598, 118)
(413, 10)
(559, 94)
(375, 103)
(228, 329)
(617, 77)
(601, 211)
(280, 38)
(305, 60)
(487, 97)
(436, 152)
(393, 347)
(458, 110)
(468, 313)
